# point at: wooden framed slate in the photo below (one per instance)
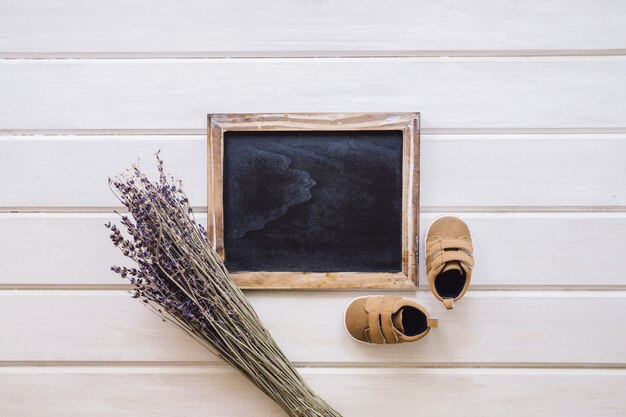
(318, 200)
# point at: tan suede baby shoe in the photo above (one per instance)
(449, 259)
(387, 320)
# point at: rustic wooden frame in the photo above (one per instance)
(408, 123)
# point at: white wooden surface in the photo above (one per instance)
(539, 92)
(524, 136)
(201, 391)
(305, 28)
(511, 172)
(487, 328)
(511, 249)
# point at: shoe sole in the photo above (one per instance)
(345, 310)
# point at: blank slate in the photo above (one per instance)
(322, 206)
(313, 201)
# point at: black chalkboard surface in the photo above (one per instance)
(313, 201)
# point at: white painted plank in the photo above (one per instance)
(563, 92)
(202, 392)
(456, 170)
(243, 27)
(487, 328)
(512, 249)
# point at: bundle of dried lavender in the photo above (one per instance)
(182, 279)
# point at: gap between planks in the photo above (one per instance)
(614, 292)
(474, 288)
(111, 133)
(274, 54)
(108, 211)
(9, 367)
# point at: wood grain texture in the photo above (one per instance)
(525, 66)
(476, 170)
(304, 28)
(407, 123)
(218, 392)
(566, 250)
(486, 328)
(543, 92)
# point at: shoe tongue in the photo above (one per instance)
(396, 319)
(451, 266)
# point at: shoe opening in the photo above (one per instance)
(414, 321)
(450, 284)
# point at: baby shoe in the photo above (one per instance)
(449, 259)
(386, 320)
